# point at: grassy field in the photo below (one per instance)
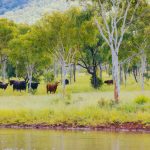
(82, 109)
(81, 86)
(81, 106)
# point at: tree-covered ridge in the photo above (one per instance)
(34, 9)
(9, 5)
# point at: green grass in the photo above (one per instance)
(82, 105)
(81, 86)
(80, 109)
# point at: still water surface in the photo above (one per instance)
(11, 139)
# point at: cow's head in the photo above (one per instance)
(11, 82)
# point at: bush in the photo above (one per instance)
(49, 77)
(147, 76)
(98, 84)
(141, 100)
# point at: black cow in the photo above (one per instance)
(19, 85)
(11, 82)
(34, 85)
(66, 81)
(108, 82)
(3, 85)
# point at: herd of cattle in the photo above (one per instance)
(18, 85)
(22, 85)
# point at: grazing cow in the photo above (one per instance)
(19, 85)
(52, 87)
(34, 85)
(66, 82)
(11, 82)
(108, 82)
(3, 85)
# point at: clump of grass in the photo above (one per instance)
(106, 103)
(55, 101)
(128, 108)
(141, 100)
(68, 99)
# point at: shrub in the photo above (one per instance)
(98, 83)
(141, 100)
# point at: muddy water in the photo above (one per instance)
(11, 139)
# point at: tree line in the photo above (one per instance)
(114, 35)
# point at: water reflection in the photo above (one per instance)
(71, 140)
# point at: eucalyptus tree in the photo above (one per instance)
(60, 36)
(7, 32)
(21, 29)
(28, 50)
(88, 42)
(116, 17)
(141, 35)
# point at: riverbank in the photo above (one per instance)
(92, 111)
(117, 127)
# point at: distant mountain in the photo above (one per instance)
(8, 5)
(29, 11)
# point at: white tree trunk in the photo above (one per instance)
(63, 77)
(115, 73)
(30, 74)
(121, 74)
(70, 70)
(143, 64)
(30, 81)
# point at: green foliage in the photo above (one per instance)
(10, 70)
(142, 100)
(48, 77)
(98, 83)
(147, 76)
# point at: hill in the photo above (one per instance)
(29, 11)
(9, 5)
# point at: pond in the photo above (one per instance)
(12, 139)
